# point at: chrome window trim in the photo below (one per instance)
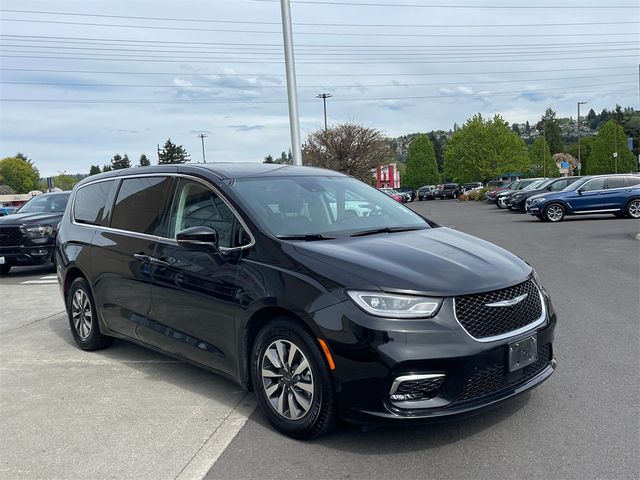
(533, 325)
(172, 241)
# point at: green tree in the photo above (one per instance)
(268, 159)
(483, 150)
(172, 153)
(516, 129)
(549, 127)
(118, 162)
(610, 139)
(94, 170)
(422, 168)
(19, 175)
(541, 160)
(144, 161)
(439, 140)
(65, 182)
(107, 168)
(585, 152)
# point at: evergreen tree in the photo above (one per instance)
(118, 162)
(106, 168)
(527, 128)
(172, 153)
(610, 139)
(439, 143)
(516, 128)
(541, 160)
(268, 159)
(549, 127)
(422, 168)
(94, 170)
(144, 161)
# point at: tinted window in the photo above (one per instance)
(616, 182)
(559, 185)
(140, 205)
(195, 205)
(46, 204)
(632, 181)
(93, 203)
(594, 184)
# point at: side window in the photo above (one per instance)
(140, 205)
(559, 185)
(616, 182)
(196, 205)
(632, 181)
(93, 203)
(595, 184)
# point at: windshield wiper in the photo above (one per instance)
(308, 237)
(373, 231)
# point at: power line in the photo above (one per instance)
(274, 32)
(314, 24)
(421, 5)
(357, 85)
(342, 100)
(315, 75)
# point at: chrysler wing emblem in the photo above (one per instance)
(508, 303)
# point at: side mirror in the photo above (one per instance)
(579, 191)
(198, 237)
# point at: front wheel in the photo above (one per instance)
(83, 318)
(633, 209)
(291, 379)
(554, 212)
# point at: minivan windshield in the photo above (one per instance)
(316, 208)
(46, 204)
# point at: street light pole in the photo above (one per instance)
(544, 150)
(202, 137)
(324, 97)
(292, 94)
(579, 160)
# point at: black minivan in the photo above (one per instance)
(321, 294)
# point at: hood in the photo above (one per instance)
(41, 218)
(547, 195)
(438, 261)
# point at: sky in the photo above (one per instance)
(83, 80)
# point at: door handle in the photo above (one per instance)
(142, 257)
(159, 262)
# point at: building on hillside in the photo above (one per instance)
(387, 176)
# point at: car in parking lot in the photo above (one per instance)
(502, 196)
(4, 211)
(518, 199)
(494, 190)
(427, 192)
(398, 197)
(408, 192)
(448, 190)
(616, 194)
(506, 199)
(472, 186)
(251, 271)
(27, 237)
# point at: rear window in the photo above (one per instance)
(92, 204)
(141, 205)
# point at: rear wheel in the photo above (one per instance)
(554, 212)
(83, 318)
(291, 380)
(4, 269)
(633, 209)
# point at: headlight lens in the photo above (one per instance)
(38, 231)
(538, 200)
(389, 305)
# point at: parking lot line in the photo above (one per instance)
(39, 282)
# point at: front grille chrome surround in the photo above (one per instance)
(514, 320)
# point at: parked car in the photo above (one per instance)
(616, 194)
(506, 199)
(501, 197)
(27, 237)
(518, 199)
(244, 270)
(427, 192)
(472, 186)
(491, 195)
(409, 192)
(398, 197)
(448, 190)
(491, 184)
(4, 211)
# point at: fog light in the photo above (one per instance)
(406, 396)
(410, 388)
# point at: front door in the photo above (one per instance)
(589, 197)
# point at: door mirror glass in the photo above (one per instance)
(198, 237)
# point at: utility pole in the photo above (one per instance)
(615, 145)
(324, 97)
(544, 150)
(292, 93)
(202, 137)
(579, 160)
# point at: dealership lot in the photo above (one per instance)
(127, 412)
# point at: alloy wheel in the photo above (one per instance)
(81, 314)
(555, 213)
(287, 379)
(634, 209)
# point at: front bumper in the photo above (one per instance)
(27, 255)
(534, 208)
(370, 353)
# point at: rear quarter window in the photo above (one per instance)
(92, 204)
(141, 205)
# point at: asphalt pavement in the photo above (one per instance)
(127, 412)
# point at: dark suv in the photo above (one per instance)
(448, 190)
(518, 200)
(27, 237)
(321, 294)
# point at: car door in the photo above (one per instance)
(121, 252)
(589, 197)
(195, 290)
(616, 192)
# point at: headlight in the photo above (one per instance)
(38, 231)
(538, 200)
(389, 305)
(519, 195)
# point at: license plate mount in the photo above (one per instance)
(522, 353)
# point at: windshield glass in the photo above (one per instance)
(330, 206)
(545, 183)
(534, 185)
(45, 204)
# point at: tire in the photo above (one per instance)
(5, 269)
(83, 318)
(315, 414)
(554, 212)
(542, 218)
(633, 209)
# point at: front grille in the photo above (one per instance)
(421, 389)
(10, 236)
(482, 321)
(494, 378)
